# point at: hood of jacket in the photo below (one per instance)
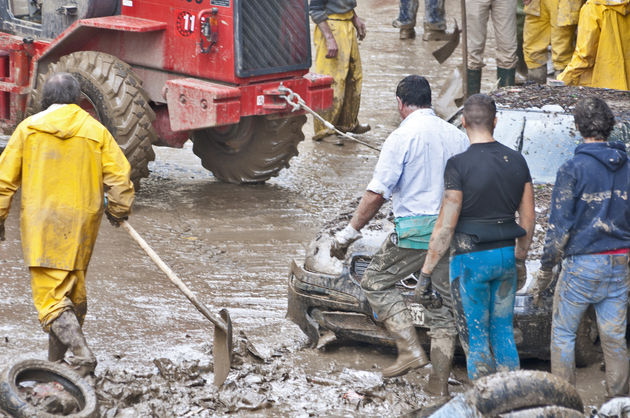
(612, 154)
(63, 121)
(620, 6)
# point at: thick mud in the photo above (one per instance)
(233, 246)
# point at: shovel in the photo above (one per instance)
(442, 53)
(222, 344)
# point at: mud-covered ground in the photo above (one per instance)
(232, 245)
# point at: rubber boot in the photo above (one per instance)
(537, 75)
(68, 331)
(442, 351)
(506, 76)
(56, 349)
(407, 33)
(473, 81)
(410, 353)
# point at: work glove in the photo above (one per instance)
(342, 240)
(521, 273)
(542, 278)
(114, 220)
(2, 231)
(425, 295)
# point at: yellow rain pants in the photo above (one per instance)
(602, 53)
(346, 71)
(550, 22)
(56, 291)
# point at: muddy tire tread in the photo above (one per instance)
(272, 144)
(124, 106)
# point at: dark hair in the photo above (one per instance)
(594, 118)
(61, 88)
(480, 111)
(414, 90)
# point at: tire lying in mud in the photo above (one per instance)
(544, 412)
(505, 392)
(252, 151)
(43, 371)
(113, 94)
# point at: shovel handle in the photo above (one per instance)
(173, 277)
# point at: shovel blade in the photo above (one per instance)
(222, 349)
(452, 89)
(442, 53)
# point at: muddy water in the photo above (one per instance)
(233, 245)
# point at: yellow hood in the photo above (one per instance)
(62, 121)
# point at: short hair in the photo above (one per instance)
(480, 111)
(61, 88)
(593, 118)
(414, 90)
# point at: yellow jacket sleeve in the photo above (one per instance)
(10, 171)
(116, 171)
(583, 60)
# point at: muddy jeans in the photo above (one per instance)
(389, 265)
(483, 285)
(602, 281)
(433, 13)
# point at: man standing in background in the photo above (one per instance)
(434, 21)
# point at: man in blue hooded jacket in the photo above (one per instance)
(589, 229)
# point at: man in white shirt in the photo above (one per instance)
(410, 171)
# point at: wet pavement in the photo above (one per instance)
(233, 245)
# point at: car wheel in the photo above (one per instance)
(545, 412)
(38, 371)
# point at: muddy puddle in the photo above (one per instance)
(233, 246)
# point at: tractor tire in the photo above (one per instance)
(588, 348)
(41, 371)
(252, 151)
(118, 100)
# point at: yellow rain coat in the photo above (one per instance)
(602, 52)
(61, 157)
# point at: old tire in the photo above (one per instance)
(545, 412)
(44, 371)
(587, 344)
(252, 151)
(510, 391)
(117, 98)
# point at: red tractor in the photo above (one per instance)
(160, 72)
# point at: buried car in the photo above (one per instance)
(325, 298)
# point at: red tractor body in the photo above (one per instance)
(204, 67)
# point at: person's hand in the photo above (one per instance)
(342, 240)
(360, 27)
(424, 293)
(2, 238)
(521, 273)
(331, 47)
(526, 2)
(542, 278)
(114, 220)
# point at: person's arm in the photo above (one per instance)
(116, 172)
(527, 221)
(317, 10)
(585, 47)
(10, 174)
(444, 229)
(359, 25)
(368, 207)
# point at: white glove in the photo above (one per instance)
(342, 241)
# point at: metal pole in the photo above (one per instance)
(464, 49)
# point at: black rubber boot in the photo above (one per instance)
(506, 76)
(68, 331)
(537, 75)
(442, 351)
(56, 349)
(473, 81)
(410, 353)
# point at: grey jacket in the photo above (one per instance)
(320, 9)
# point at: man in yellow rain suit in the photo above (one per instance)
(337, 55)
(602, 52)
(62, 157)
(549, 22)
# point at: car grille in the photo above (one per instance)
(359, 265)
(271, 36)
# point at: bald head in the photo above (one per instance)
(61, 88)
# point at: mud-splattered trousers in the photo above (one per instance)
(602, 281)
(483, 286)
(503, 15)
(550, 22)
(392, 263)
(433, 14)
(345, 69)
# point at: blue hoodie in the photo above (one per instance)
(590, 209)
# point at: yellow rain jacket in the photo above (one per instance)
(62, 157)
(602, 52)
(568, 11)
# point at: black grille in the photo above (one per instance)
(271, 36)
(359, 265)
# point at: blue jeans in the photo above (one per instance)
(434, 15)
(483, 286)
(602, 281)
